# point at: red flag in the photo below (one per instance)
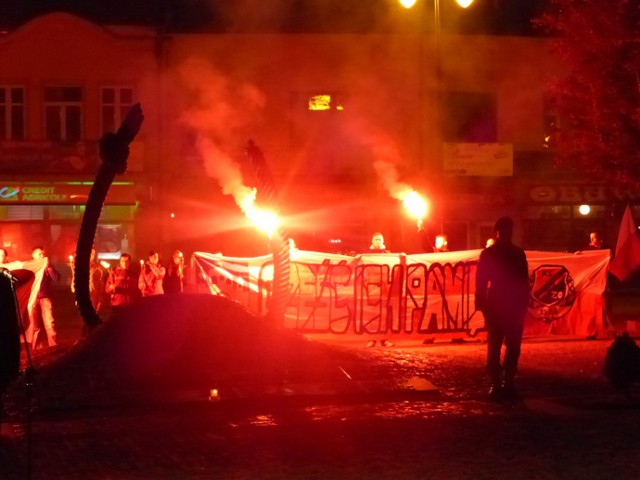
(627, 257)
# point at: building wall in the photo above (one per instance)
(206, 95)
(61, 50)
(388, 88)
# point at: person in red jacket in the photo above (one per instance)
(151, 276)
(122, 284)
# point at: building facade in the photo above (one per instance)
(65, 82)
(343, 120)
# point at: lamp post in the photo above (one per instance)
(438, 76)
(437, 61)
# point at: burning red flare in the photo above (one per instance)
(415, 204)
(265, 220)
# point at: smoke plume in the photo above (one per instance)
(220, 108)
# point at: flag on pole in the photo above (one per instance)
(627, 257)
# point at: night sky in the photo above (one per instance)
(349, 16)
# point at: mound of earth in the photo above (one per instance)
(168, 345)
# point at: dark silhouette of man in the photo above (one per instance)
(502, 295)
(9, 332)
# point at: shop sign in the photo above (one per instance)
(478, 159)
(60, 193)
(569, 194)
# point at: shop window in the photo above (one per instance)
(63, 113)
(469, 117)
(592, 212)
(66, 212)
(112, 240)
(118, 212)
(547, 235)
(12, 119)
(545, 212)
(76, 212)
(115, 103)
(25, 212)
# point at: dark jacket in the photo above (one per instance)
(50, 274)
(174, 279)
(502, 280)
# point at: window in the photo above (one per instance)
(325, 102)
(24, 212)
(116, 102)
(318, 132)
(469, 117)
(12, 124)
(63, 113)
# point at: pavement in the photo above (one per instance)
(437, 423)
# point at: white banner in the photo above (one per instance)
(411, 294)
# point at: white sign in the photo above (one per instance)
(478, 159)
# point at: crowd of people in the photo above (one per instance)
(124, 284)
(110, 289)
(501, 294)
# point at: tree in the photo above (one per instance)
(598, 101)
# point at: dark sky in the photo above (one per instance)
(490, 16)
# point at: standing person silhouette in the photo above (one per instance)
(96, 280)
(502, 295)
(174, 279)
(41, 310)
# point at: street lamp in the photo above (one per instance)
(438, 73)
(411, 3)
(436, 35)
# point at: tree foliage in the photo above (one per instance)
(598, 100)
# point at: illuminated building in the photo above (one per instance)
(324, 107)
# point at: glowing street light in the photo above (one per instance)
(411, 3)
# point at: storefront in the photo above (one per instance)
(49, 213)
(559, 217)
